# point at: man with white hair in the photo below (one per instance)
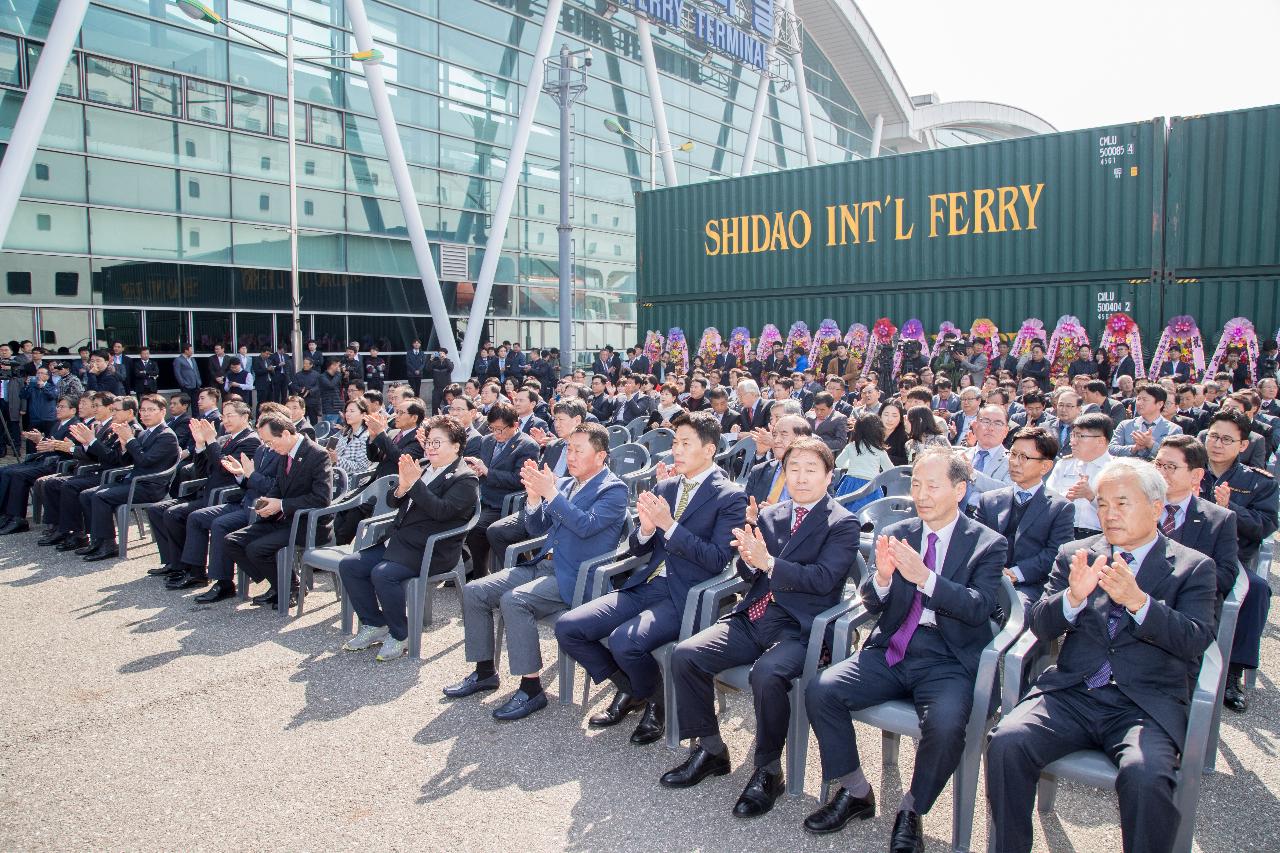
(1134, 610)
(755, 412)
(962, 421)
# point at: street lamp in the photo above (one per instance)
(651, 149)
(200, 12)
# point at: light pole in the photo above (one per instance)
(566, 81)
(651, 149)
(200, 12)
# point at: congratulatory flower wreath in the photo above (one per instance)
(1180, 341)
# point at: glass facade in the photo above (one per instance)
(156, 209)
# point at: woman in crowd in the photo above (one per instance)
(668, 406)
(894, 418)
(429, 500)
(1102, 360)
(863, 458)
(352, 451)
(923, 431)
(509, 388)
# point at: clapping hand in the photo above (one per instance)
(1119, 583)
(885, 565)
(376, 422)
(409, 472)
(763, 439)
(654, 513)
(246, 464)
(232, 467)
(907, 561)
(663, 471)
(124, 432)
(539, 482)
(1080, 490)
(1083, 579)
(751, 547)
(540, 435)
(1143, 439)
(1222, 495)
(81, 433)
(753, 511)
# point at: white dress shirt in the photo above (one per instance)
(927, 616)
(1066, 473)
(697, 478)
(1139, 554)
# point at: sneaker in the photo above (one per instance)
(367, 636)
(392, 649)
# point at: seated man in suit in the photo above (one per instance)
(583, 516)
(304, 481)
(1135, 613)
(429, 499)
(827, 425)
(934, 587)
(1035, 523)
(1141, 436)
(796, 561)
(169, 518)
(987, 455)
(730, 421)
(1251, 494)
(150, 451)
(1033, 414)
(92, 444)
(502, 454)
(16, 480)
(464, 410)
(389, 439)
(526, 401)
(1066, 408)
(686, 531)
(631, 404)
(767, 482)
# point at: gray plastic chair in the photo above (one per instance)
(656, 441)
(879, 514)
(1094, 767)
(618, 435)
(896, 482)
(736, 458)
(628, 458)
(130, 507)
(288, 556)
(898, 717)
(638, 427)
(322, 428)
(1261, 568)
(420, 590)
(317, 556)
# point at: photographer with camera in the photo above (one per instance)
(10, 399)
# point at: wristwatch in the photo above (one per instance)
(768, 567)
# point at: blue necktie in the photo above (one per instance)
(1023, 497)
(980, 460)
(1114, 617)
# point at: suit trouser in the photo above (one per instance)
(15, 485)
(503, 533)
(1251, 623)
(1046, 727)
(100, 503)
(525, 594)
(930, 676)
(774, 644)
(254, 548)
(376, 589)
(415, 383)
(169, 526)
(207, 532)
(62, 501)
(634, 621)
(478, 542)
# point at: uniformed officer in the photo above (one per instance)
(1251, 494)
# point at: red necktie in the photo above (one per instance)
(288, 464)
(756, 610)
(1170, 520)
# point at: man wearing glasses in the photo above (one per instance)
(1251, 494)
(1075, 477)
(987, 456)
(767, 484)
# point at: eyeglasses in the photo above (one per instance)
(1020, 457)
(1168, 467)
(1224, 440)
(1077, 434)
(991, 423)
(434, 444)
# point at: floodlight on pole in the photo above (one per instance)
(613, 126)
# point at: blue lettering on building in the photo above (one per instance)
(720, 35)
(762, 18)
(668, 12)
(725, 38)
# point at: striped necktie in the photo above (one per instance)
(687, 488)
(1170, 523)
(1114, 618)
(758, 607)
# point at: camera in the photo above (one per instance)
(8, 366)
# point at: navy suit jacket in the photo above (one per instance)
(1211, 530)
(964, 597)
(701, 544)
(208, 464)
(158, 451)
(1047, 524)
(809, 568)
(760, 480)
(504, 477)
(580, 529)
(1154, 663)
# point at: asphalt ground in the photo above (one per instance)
(134, 719)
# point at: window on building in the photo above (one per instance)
(19, 283)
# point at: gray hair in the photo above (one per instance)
(789, 407)
(748, 386)
(1149, 480)
(957, 465)
(970, 391)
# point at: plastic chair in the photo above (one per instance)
(136, 509)
(736, 458)
(637, 427)
(317, 556)
(656, 440)
(628, 458)
(1261, 568)
(322, 428)
(1094, 767)
(618, 435)
(896, 482)
(879, 514)
(419, 590)
(898, 717)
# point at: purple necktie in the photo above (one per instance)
(902, 637)
(1114, 618)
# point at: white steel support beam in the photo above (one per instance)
(877, 134)
(507, 195)
(802, 96)
(404, 184)
(757, 116)
(656, 103)
(29, 126)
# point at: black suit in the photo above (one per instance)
(151, 453)
(1035, 532)
(302, 483)
(503, 479)
(808, 577)
(61, 494)
(1211, 530)
(17, 480)
(636, 406)
(1139, 718)
(144, 376)
(938, 670)
(761, 480)
(1124, 367)
(385, 451)
(610, 369)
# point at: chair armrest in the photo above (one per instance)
(114, 475)
(861, 492)
(856, 617)
(695, 594)
(515, 549)
(225, 495)
(1204, 704)
(428, 550)
(373, 530)
(818, 633)
(155, 477)
(989, 662)
(314, 516)
(191, 487)
(512, 503)
(1020, 655)
(588, 567)
(714, 595)
(604, 573)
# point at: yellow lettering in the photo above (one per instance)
(871, 208)
(800, 243)
(849, 224)
(831, 225)
(982, 201)
(713, 238)
(759, 241)
(956, 224)
(935, 215)
(779, 239)
(1031, 201)
(729, 236)
(897, 226)
(1008, 204)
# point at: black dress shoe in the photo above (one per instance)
(622, 704)
(220, 591)
(1233, 696)
(54, 537)
(471, 684)
(652, 725)
(907, 836)
(105, 551)
(72, 542)
(268, 597)
(843, 808)
(187, 580)
(15, 525)
(88, 547)
(699, 765)
(760, 794)
(166, 569)
(271, 598)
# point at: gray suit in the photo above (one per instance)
(186, 374)
(834, 431)
(1122, 440)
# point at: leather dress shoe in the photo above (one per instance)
(699, 765)
(73, 542)
(104, 551)
(88, 547)
(220, 591)
(760, 794)
(165, 569)
(907, 835)
(263, 597)
(187, 580)
(520, 706)
(652, 725)
(1233, 696)
(271, 598)
(622, 704)
(843, 808)
(15, 525)
(471, 684)
(53, 537)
